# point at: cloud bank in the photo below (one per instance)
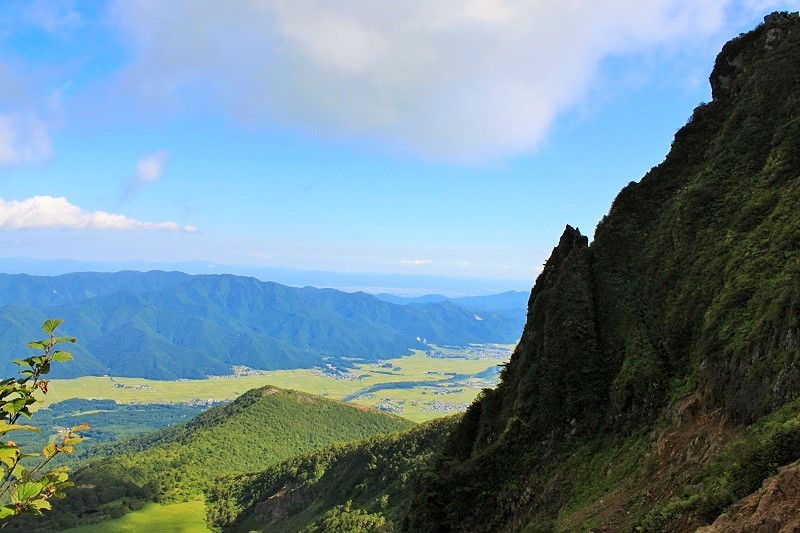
(454, 79)
(47, 212)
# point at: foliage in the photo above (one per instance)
(260, 428)
(363, 484)
(28, 489)
(345, 519)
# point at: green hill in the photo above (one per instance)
(260, 428)
(657, 378)
(168, 325)
(339, 488)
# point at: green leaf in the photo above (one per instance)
(48, 451)
(7, 511)
(57, 476)
(51, 324)
(13, 406)
(8, 455)
(60, 357)
(5, 428)
(19, 471)
(39, 345)
(64, 339)
(26, 491)
(40, 504)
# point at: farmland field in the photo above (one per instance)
(419, 387)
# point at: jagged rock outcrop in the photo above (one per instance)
(690, 287)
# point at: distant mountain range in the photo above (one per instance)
(513, 304)
(169, 325)
(407, 285)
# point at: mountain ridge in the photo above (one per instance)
(168, 325)
(648, 352)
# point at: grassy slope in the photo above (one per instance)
(262, 427)
(186, 517)
(366, 482)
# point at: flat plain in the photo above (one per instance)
(419, 387)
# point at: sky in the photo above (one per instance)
(434, 137)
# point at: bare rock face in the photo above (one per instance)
(775, 508)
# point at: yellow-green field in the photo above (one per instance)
(416, 403)
(188, 517)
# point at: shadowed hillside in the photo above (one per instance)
(345, 487)
(657, 377)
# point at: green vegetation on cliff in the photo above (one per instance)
(358, 486)
(682, 317)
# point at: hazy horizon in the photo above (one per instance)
(405, 285)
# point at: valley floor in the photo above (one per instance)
(418, 387)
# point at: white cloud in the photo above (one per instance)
(148, 170)
(151, 167)
(24, 138)
(28, 117)
(47, 212)
(416, 262)
(459, 79)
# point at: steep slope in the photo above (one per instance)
(170, 325)
(648, 352)
(260, 428)
(364, 483)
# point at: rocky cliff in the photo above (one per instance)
(658, 376)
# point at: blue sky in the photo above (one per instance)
(454, 137)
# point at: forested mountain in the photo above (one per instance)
(258, 429)
(650, 351)
(657, 381)
(167, 325)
